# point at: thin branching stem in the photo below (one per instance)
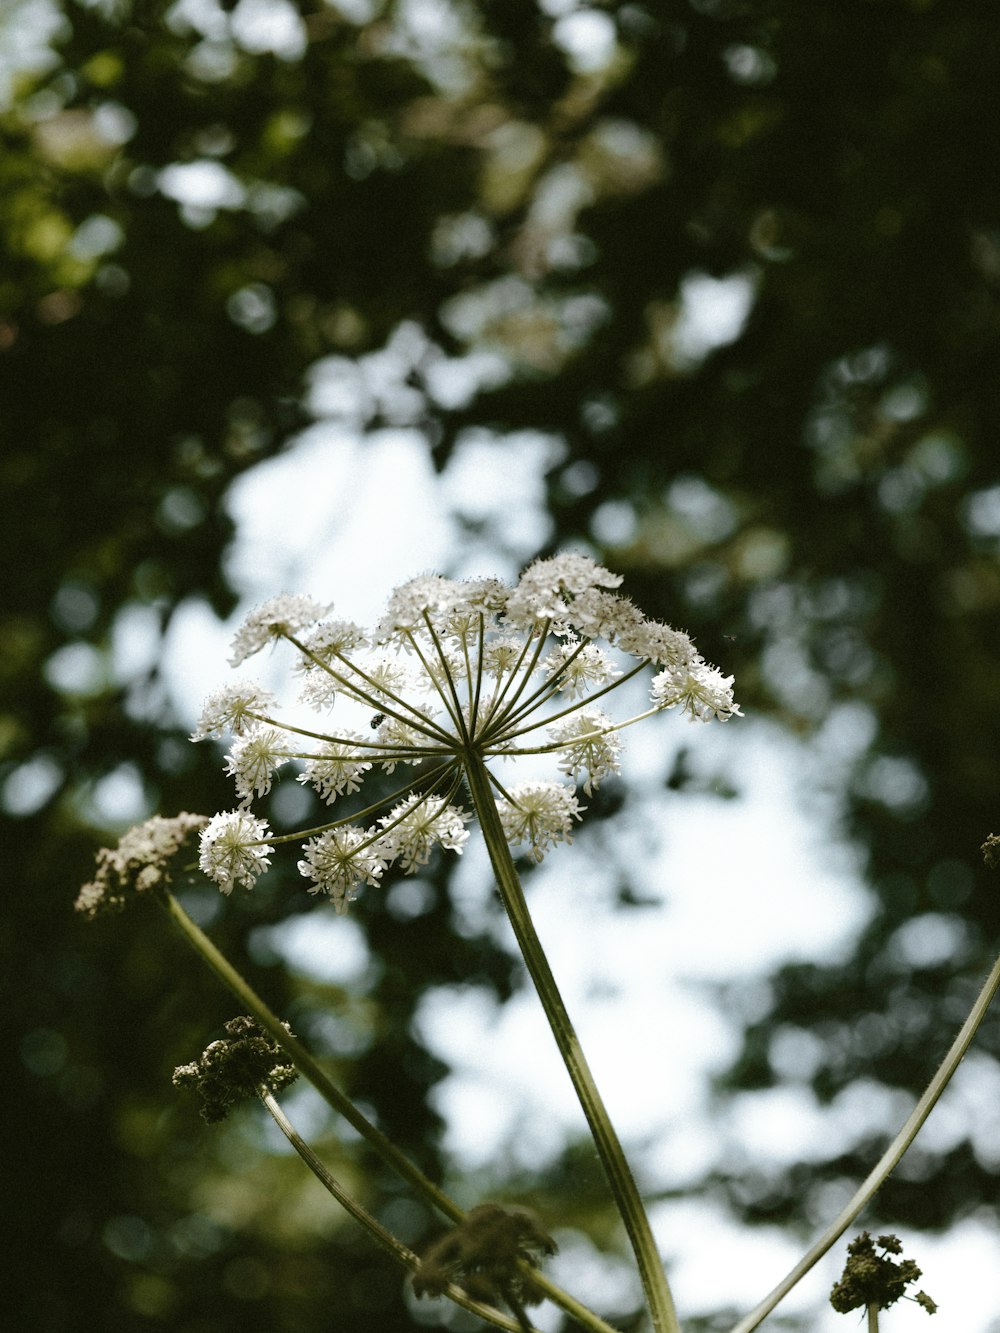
(390, 1243)
(417, 720)
(357, 815)
(889, 1160)
(498, 716)
(577, 705)
(351, 742)
(544, 691)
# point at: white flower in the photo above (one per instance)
(401, 741)
(502, 654)
(428, 594)
(286, 614)
(702, 690)
(595, 755)
(332, 639)
(415, 826)
(482, 602)
(341, 860)
(319, 691)
(603, 615)
(230, 709)
(539, 814)
(336, 769)
(451, 667)
(659, 643)
(328, 644)
(547, 588)
(576, 669)
(382, 675)
(234, 849)
(140, 862)
(253, 759)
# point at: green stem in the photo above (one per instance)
(889, 1160)
(623, 1186)
(331, 1094)
(873, 1319)
(305, 1062)
(382, 1237)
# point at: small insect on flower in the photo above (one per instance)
(377, 721)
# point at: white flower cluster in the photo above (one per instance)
(140, 863)
(454, 673)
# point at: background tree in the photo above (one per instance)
(192, 216)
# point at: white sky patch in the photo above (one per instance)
(763, 867)
(588, 38)
(713, 313)
(269, 25)
(202, 184)
(27, 30)
(511, 504)
(365, 516)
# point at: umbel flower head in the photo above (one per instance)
(454, 673)
(140, 863)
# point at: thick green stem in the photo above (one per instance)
(331, 1094)
(379, 1234)
(623, 1186)
(873, 1319)
(889, 1160)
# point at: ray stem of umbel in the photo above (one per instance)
(609, 1149)
(539, 695)
(421, 780)
(500, 711)
(377, 701)
(310, 1069)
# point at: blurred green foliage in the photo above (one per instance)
(816, 498)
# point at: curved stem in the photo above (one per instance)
(305, 1062)
(380, 1235)
(342, 1104)
(623, 1186)
(889, 1159)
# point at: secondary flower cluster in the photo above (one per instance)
(140, 863)
(451, 671)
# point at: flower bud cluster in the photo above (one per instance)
(239, 1066)
(453, 670)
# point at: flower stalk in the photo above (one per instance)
(620, 1178)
